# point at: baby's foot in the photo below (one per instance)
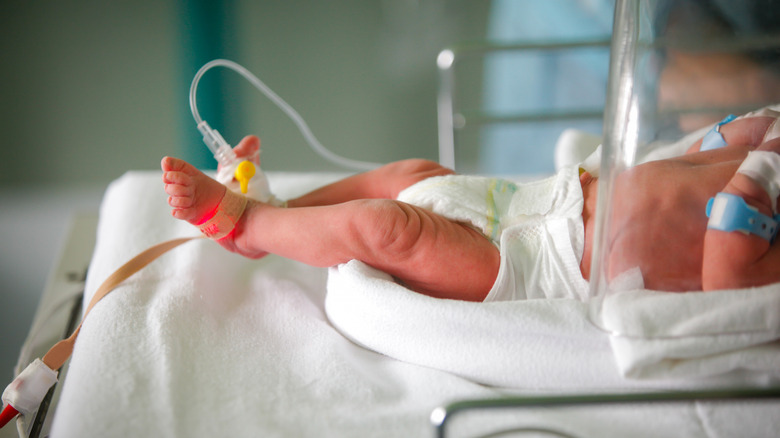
(193, 196)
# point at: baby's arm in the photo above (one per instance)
(747, 131)
(734, 259)
(384, 182)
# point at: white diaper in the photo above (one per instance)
(537, 227)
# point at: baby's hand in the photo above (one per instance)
(247, 149)
(749, 130)
(734, 259)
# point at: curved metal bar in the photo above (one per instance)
(441, 416)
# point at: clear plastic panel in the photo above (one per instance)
(503, 106)
(676, 68)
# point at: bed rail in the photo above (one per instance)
(441, 417)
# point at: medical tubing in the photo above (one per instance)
(8, 414)
(216, 143)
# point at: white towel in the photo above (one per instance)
(664, 334)
(521, 344)
(548, 344)
(205, 343)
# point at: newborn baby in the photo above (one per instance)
(478, 238)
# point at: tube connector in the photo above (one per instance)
(222, 151)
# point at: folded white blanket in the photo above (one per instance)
(678, 339)
(531, 344)
(674, 335)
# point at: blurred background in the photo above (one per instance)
(91, 89)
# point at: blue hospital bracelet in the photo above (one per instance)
(729, 212)
(714, 139)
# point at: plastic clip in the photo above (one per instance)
(714, 139)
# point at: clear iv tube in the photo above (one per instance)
(217, 144)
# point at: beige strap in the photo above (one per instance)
(62, 350)
(229, 211)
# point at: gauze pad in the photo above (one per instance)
(258, 187)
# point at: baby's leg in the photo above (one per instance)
(426, 251)
(736, 260)
(384, 182)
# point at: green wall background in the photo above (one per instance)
(91, 89)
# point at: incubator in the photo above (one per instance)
(679, 72)
(669, 86)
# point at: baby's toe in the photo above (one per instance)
(179, 190)
(183, 214)
(171, 164)
(180, 202)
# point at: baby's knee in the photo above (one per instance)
(388, 230)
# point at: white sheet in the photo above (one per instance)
(206, 343)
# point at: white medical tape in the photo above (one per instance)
(29, 388)
(763, 112)
(763, 167)
(773, 131)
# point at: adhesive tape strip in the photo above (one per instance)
(763, 167)
(229, 211)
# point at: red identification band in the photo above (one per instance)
(229, 210)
